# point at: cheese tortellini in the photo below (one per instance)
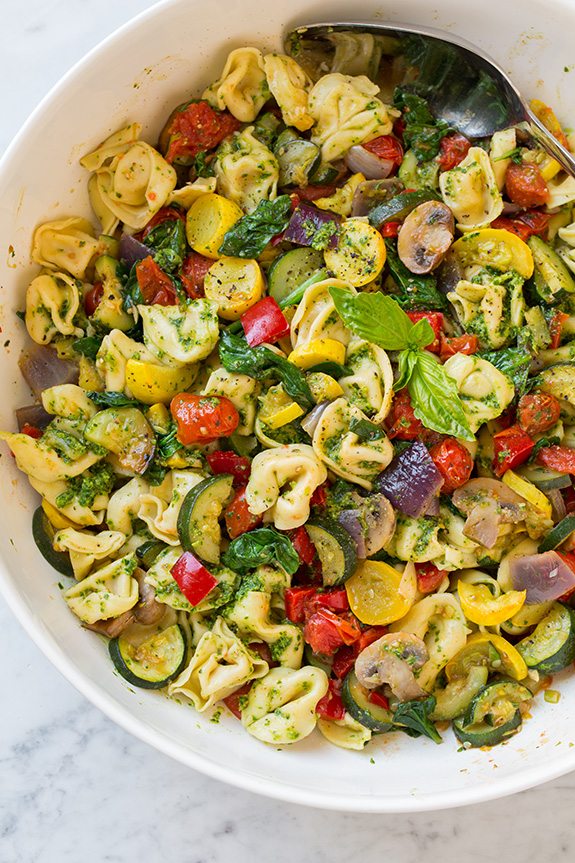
(316, 317)
(86, 548)
(280, 707)
(347, 733)
(490, 306)
(106, 593)
(370, 387)
(221, 663)
(52, 302)
(242, 87)
(40, 461)
(484, 391)
(346, 111)
(66, 244)
(181, 335)
(246, 171)
(343, 451)
(69, 401)
(289, 85)
(282, 482)
(470, 191)
(116, 349)
(159, 508)
(251, 616)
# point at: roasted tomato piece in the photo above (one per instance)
(525, 186)
(537, 412)
(201, 419)
(156, 287)
(453, 462)
(194, 128)
(452, 150)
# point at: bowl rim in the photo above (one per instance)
(519, 780)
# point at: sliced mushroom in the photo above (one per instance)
(425, 236)
(148, 610)
(487, 503)
(392, 660)
(370, 524)
(113, 627)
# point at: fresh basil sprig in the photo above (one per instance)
(380, 320)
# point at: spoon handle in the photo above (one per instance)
(549, 143)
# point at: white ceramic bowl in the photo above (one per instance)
(140, 73)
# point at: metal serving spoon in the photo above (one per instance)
(462, 84)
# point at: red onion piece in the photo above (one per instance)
(373, 192)
(310, 422)
(349, 519)
(33, 415)
(42, 368)
(306, 221)
(545, 576)
(132, 250)
(361, 161)
(510, 209)
(411, 481)
(433, 508)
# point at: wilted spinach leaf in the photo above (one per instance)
(249, 237)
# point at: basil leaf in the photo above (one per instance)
(513, 362)
(435, 399)
(422, 334)
(375, 317)
(88, 346)
(415, 292)
(260, 546)
(406, 362)
(366, 430)
(413, 716)
(113, 399)
(249, 237)
(423, 132)
(168, 242)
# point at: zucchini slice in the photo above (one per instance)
(198, 519)
(355, 698)
(148, 552)
(551, 646)
(493, 713)
(550, 276)
(558, 381)
(297, 158)
(154, 662)
(397, 208)
(558, 534)
(43, 534)
(456, 697)
(543, 477)
(335, 549)
(291, 270)
(125, 432)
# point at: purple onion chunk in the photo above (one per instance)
(411, 481)
(310, 226)
(132, 250)
(42, 368)
(545, 577)
(33, 415)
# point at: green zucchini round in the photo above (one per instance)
(558, 534)
(43, 534)
(544, 478)
(485, 735)
(493, 713)
(335, 549)
(154, 662)
(551, 646)
(198, 527)
(148, 552)
(291, 270)
(355, 698)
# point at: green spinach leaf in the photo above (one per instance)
(88, 346)
(260, 546)
(423, 132)
(415, 292)
(249, 237)
(413, 716)
(513, 362)
(168, 242)
(112, 399)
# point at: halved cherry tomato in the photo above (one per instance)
(164, 214)
(331, 705)
(514, 226)
(536, 412)
(156, 287)
(559, 458)
(202, 419)
(387, 148)
(224, 461)
(525, 224)
(466, 344)
(325, 631)
(232, 701)
(92, 298)
(435, 319)
(31, 431)
(196, 128)
(556, 327)
(193, 273)
(390, 229)
(429, 577)
(237, 516)
(453, 462)
(511, 447)
(452, 150)
(525, 185)
(303, 544)
(401, 421)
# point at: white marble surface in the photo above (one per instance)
(74, 787)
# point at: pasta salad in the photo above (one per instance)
(304, 417)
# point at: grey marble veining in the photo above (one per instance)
(74, 787)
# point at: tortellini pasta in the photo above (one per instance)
(108, 592)
(241, 390)
(561, 191)
(221, 663)
(86, 516)
(370, 387)
(347, 733)
(186, 195)
(343, 451)
(484, 391)
(86, 548)
(68, 400)
(242, 87)
(342, 199)
(115, 350)
(289, 85)
(39, 461)
(124, 504)
(160, 509)
(490, 306)
(282, 482)
(181, 335)
(415, 539)
(131, 180)
(346, 111)
(52, 302)
(66, 244)
(502, 143)
(246, 171)
(316, 317)
(470, 191)
(280, 707)
(251, 616)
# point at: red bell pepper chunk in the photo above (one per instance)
(264, 322)
(336, 600)
(511, 447)
(232, 701)
(390, 229)
(325, 631)
(237, 516)
(378, 698)
(429, 577)
(295, 599)
(436, 321)
(368, 636)
(466, 344)
(224, 461)
(319, 497)
(303, 544)
(331, 705)
(559, 458)
(193, 579)
(31, 431)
